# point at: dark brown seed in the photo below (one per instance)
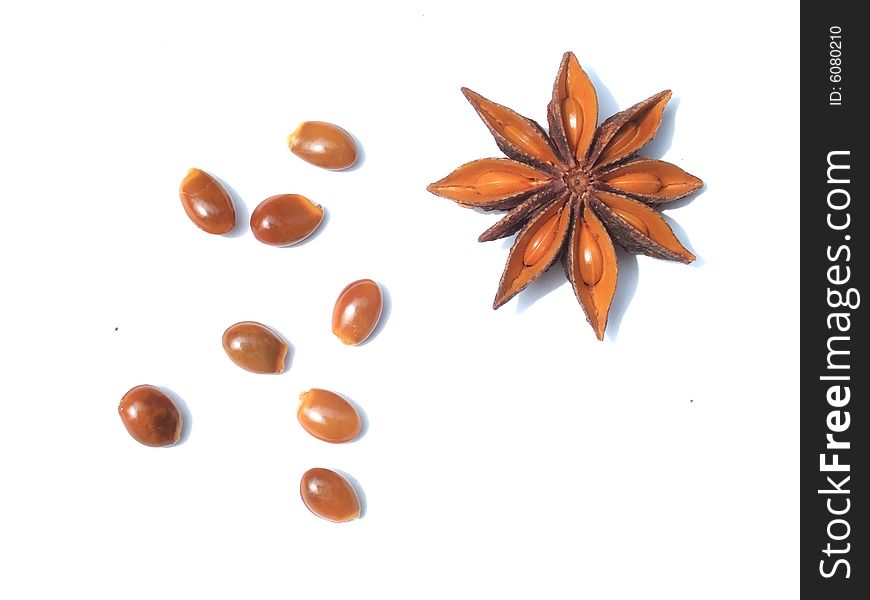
(329, 495)
(207, 202)
(150, 416)
(254, 347)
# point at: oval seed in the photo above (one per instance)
(285, 219)
(541, 241)
(502, 183)
(638, 183)
(572, 120)
(150, 416)
(632, 220)
(519, 137)
(323, 145)
(621, 140)
(207, 202)
(590, 257)
(357, 311)
(329, 495)
(328, 417)
(254, 347)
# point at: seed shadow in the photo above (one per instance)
(360, 155)
(291, 351)
(363, 503)
(186, 416)
(606, 102)
(552, 279)
(243, 217)
(625, 290)
(363, 417)
(386, 311)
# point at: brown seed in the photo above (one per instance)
(640, 128)
(328, 417)
(590, 258)
(497, 183)
(622, 139)
(488, 182)
(323, 145)
(329, 495)
(542, 240)
(572, 120)
(207, 202)
(506, 125)
(655, 180)
(255, 347)
(285, 219)
(662, 241)
(150, 416)
(632, 220)
(357, 311)
(639, 183)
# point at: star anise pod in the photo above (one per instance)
(573, 193)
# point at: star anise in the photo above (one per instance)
(573, 193)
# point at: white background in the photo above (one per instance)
(509, 454)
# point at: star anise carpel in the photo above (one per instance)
(573, 192)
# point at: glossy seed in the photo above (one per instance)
(150, 416)
(520, 137)
(540, 243)
(621, 140)
(638, 183)
(323, 145)
(520, 133)
(329, 495)
(632, 220)
(255, 347)
(503, 183)
(572, 120)
(327, 416)
(590, 258)
(207, 202)
(357, 311)
(488, 181)
(285, 219)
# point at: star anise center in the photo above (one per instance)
(579, 180)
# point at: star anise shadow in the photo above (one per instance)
(661, 143)
(607, 104)
(551, 280)
(629, 274)
(684, 238)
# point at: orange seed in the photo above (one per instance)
(329, 495)
(324, 145)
